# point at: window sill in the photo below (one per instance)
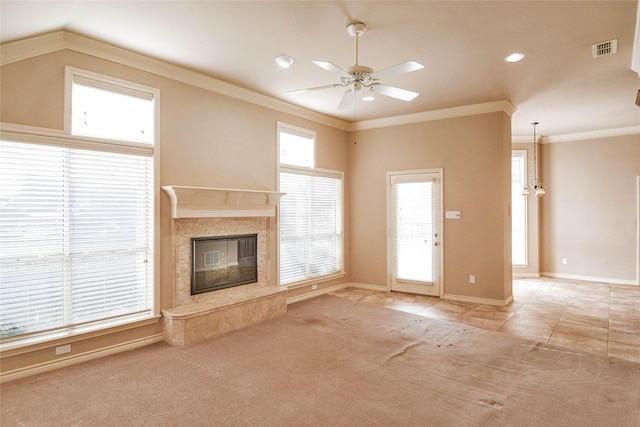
(13, 347)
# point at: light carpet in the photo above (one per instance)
(334, 362)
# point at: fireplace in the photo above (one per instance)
(223, 262)
(222, 245)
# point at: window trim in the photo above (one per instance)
(126, 147)
(43, 340)
(64, 138)
(523, 155)
(296, 130)
(116, 85)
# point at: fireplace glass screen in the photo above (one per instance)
(223, 262)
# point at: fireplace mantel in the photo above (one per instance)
(202, 202)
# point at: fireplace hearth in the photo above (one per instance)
(223, 262)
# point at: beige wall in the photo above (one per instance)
(589, 213)
(475, 153)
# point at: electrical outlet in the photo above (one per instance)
(63, 349)
(452, 214)
(314, 287)
(565, 261)
(472, 278)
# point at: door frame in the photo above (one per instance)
(440, 174)
(638, 230)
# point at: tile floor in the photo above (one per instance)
(596, 317)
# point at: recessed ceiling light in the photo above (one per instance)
(514, 57)
(284, 61)
(368, 98)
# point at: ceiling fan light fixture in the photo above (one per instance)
(284, 61)
(515, 57)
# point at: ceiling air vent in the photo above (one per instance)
(604, 48)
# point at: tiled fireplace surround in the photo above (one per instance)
(204, 212)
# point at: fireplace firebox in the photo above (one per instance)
(223, 262)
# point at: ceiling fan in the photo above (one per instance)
(358, 76)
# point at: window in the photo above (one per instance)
(103, 109)
(297, 146)
(412, 198)
(76, 227)
(311, 238)
(518, 208)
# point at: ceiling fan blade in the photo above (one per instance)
(310, 89)
(394, 92)
(332, 68)
(347, 100)
(405, 67)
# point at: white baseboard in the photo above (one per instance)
(475, 300)
(526, 274)
(380, 288)
(590, 278)
(78, 358)
(462, 298)
(316, 293)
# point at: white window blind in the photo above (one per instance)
(414, 229)
(76, 237)
(310, 225)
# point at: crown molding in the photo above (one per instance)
(581, 136)
(20, 50)
(520, 139)
(445, 113)
(524, 139)
(604, 133)
(39, 45)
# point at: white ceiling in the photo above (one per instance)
(461, 44)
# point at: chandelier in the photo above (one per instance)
(536, 186)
